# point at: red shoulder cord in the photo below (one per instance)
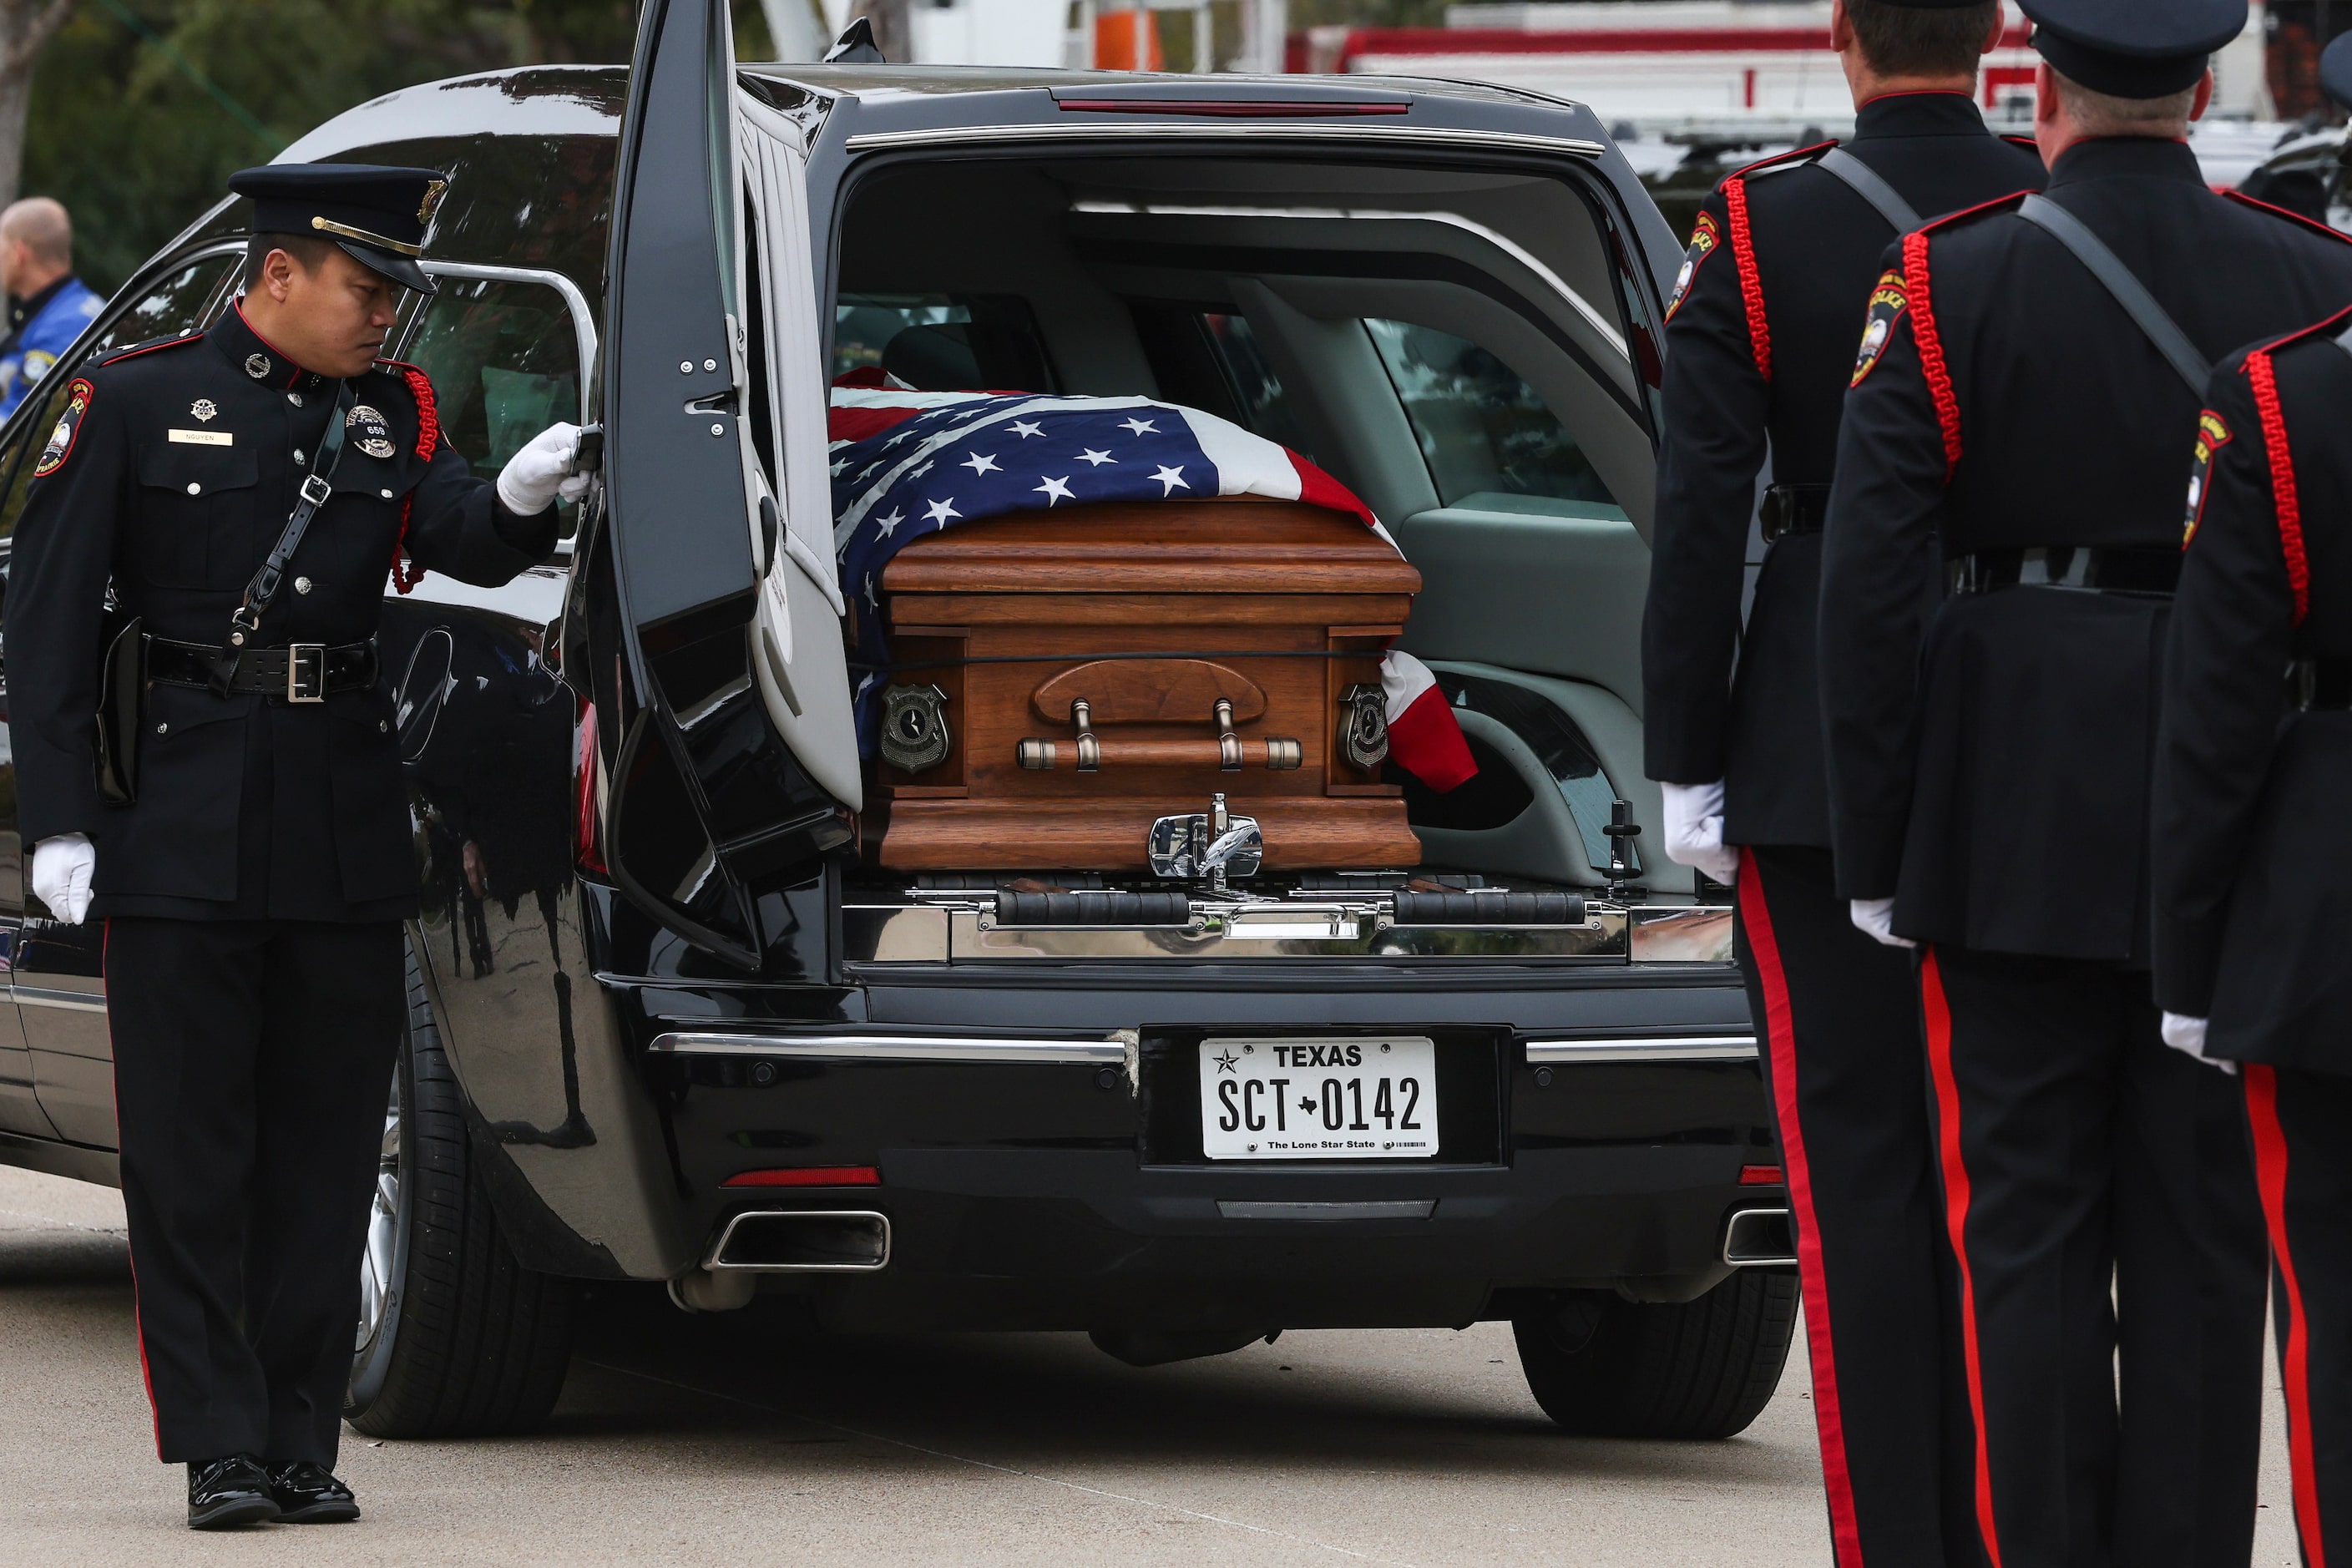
(1932, 363)
(1751, 282)
(405, 573)
(2283, 498)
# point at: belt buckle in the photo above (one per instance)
(316, 496)
(295, 653)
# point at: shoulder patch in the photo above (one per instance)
(2213, 433)
(1704, 238)
(78, 393)
(151, 346)
(1888, 301)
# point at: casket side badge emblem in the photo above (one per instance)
(915, 734)
(1364, 725)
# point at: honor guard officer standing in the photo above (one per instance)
(2252, 854)
(1761, 337)
(2029, 384)
(244, 491)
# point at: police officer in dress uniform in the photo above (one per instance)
(1761, 335)
(254, 891)
(2253, 855)
(47, 305)
(2029, 383)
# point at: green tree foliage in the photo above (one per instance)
(125, 131)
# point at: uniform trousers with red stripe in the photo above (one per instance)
(252, 1064)
(2302, 1124)
(1839, 1016)
(2099, 1191)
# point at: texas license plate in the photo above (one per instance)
(1319, 1099)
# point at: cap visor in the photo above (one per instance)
(402, 269)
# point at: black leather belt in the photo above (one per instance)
(1794, 509)
(302, 672)
(2097, 568)
(2319, 683)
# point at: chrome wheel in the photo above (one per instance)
(384, 1263)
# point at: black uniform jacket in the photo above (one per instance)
(1761, 345)
(1998, 789)
(2253, 796)
(171, 475)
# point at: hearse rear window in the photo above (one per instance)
(1484, 431)
(944, 343)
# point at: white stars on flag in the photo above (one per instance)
(942, 512)
(1141, 426)
(1024, 429)
(1054, 490)
(1171, 482)
(979, 464)
(1097, 458)
(889, 525)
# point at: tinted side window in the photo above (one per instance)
(505, 363)
(1486, 434)
(940, 342)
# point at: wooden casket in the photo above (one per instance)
(1061, 679)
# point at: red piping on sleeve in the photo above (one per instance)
(2294, 1357)
(1932, 363)
(2284, 500)
(1937, 1011)
(1779, 1028)
(1751, 282)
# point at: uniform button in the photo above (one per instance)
(385, 494)
(382, 727)
(163, 729)
(299, 458)
(194, 489)
(301, 584)
(295, 398)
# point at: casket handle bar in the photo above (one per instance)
(1228, 753)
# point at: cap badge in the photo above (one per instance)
(369, 431)
(256, 365)
(434, 191)
(205, 409)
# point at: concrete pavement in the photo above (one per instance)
(743, 1439)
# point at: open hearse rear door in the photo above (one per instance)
(706, 625)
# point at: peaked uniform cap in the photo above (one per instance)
(378, 214)
(2133, 48)
(2336, 70)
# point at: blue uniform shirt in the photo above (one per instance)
(53, 319)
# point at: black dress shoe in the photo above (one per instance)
(227, 1493)
(308, 1494)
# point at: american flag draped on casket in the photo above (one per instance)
(907, 464)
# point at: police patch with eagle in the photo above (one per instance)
(1704, 238)
(2213, 433)
(1888, 301)
(61, 439)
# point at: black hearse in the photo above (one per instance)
(668, 1025)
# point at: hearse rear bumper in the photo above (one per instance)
(1050, 1178)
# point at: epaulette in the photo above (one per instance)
(1790, 159)
(152, 345)
(2314, 225)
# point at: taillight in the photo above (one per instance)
(807, 1176)
(1759, 1176)
(587, 846)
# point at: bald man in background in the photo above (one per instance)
(47, 305)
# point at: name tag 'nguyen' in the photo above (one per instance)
(201, 438)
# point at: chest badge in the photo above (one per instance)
(256, 365)
(205, 409)
(368, 431)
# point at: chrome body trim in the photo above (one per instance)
(1363, 135)
(66, 1000)
(1678, 1048)
(988, 1052)
(1758, 1238)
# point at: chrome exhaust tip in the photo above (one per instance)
(804, 1241)
(1759, 1239)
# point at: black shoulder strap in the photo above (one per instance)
(316, 485)
(2129, 292)
(1866, 182)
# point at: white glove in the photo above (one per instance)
(61, 872)
(1874, 917)
(1695, 830)
(543, 470)
(2187, 1035)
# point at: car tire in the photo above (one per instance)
(1605, 1367)
(456, 1338)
